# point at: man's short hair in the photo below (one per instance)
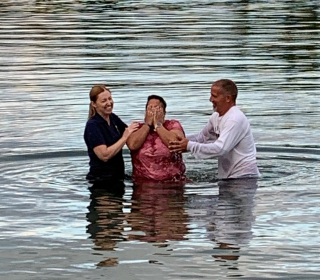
(228, 87)
(153, 96)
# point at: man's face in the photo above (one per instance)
(155, 105)
(219, 101)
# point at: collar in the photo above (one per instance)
(100, 119)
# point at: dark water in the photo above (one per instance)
(53, 227)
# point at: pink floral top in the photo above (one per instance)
(154, 160)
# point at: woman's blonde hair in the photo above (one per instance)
(94, 92)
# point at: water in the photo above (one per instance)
(52, 52)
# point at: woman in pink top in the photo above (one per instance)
(151, 158)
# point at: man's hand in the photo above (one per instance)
(148, 118)
(158, 116)
(178, 146)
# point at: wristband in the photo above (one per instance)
(159, 124)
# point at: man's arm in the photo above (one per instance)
(136, 139)
(227, 140)
(207, 134)
(169, 135)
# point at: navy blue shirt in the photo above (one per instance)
(99, 132)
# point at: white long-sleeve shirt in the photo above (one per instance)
(230, 139)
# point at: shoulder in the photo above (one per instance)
(170, 123)
(93, 129)
(173, 124)
(95, 124)
(117, 119)
(94, 121)
(235, 114)
(236, 110)
(236, 120)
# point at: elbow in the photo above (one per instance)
(206, 152)
(104, 158)
(132, 147)
(103, 153)
(221, 152)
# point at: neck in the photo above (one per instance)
(105, 117)
(226, 110)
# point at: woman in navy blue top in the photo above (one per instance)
(105, 135)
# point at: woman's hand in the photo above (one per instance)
(130, 129)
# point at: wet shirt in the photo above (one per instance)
(154, 160)
(229, 138)
(99, 132)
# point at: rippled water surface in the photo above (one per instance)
(54, 227)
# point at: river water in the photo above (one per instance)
(52, 52)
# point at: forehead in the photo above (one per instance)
(154, 102)
(104, 95)
(216, 90)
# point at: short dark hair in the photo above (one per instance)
(228, 87)
(153, 96)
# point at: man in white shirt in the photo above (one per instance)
(227, 136)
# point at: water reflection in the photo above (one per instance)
(163, 212)
(230, 224)
(227, 217)
(158, 213)
(52, 51)
(106, 217)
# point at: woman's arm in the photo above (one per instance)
(105, 153)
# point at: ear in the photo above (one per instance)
(93, 104)
(229, 98)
